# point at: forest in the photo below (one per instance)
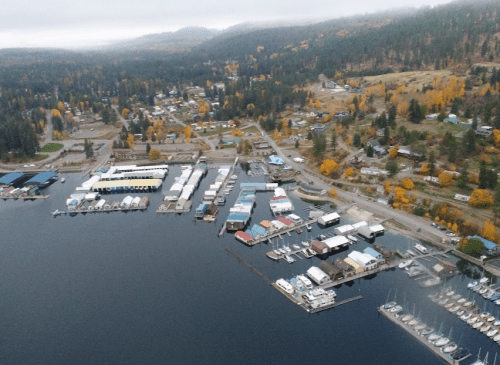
(263, 70)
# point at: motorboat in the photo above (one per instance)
(456, 297)
(495, 298)
(411, 253)
(277, 252)
(308, 226)
(497, 302)
(431, 282)
(405, 264)
(449, 305)
(389, 305)
(450, 293)
(484, 315)
(287, 249)
(467, 304)
(433, 296)
(472, 284)
(415, 271)
(454, 309)
(477, 325)
(234, 177)
(472, 320)
(489, 294)
(483, 291)
(485, 329)
(63, 180)
(460, 313)
(282, 250)
(443, 341)
(352, 238)
(461, 300)
(437, 299)
(466, 316)
(289, 259)
(490, 319)
(297, 247)
(443, 301)
(496, 338)
(492, 332)
(450, 348)
(396, 309)
(305, 244)
(497, 323)
(484, 280)
(459, 354)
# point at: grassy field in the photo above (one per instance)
(51, 147)
(416, 78)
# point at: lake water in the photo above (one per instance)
(147, 288)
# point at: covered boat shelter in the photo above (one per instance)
(11, 178)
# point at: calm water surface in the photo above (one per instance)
(145, 288)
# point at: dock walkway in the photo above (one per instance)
(280, 232)
(435, 350)
(25, 197)
(73, 212)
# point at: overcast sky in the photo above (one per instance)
(76, 24)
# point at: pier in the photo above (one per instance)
(288, 229)
(336, 304)
(247, 264)
(435, 350)
(26, 197)
(74, 212)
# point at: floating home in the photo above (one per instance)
(120, 186)
(328, 219)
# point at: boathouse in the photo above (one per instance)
(346, 269)
(336, 242)
(333, 272)
(328, 219)
(319, 247)
(42, 179)
(366, 261)
(317, 275)
(11, 178)
(243, 237)
(377, 255)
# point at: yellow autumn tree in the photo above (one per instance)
(276, 134)
(154, 154)
(125, 112)
(480, 198)
(445, 179)
(424, 169)
(393, 152)
(349, 172)
(130, 140)
(454, 227)
(388, 187)
(488, 231)
(407, 183)
(332, 193)
(236, 132)
(188, 133)
(328, 167)
(400, 195)
(55, 113)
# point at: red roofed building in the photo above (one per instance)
(285, 221)
(319, 247)
(243, 237)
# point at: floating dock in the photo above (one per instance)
(25, 197)
(278, 233)
(171, 207)
(74, 212)
(435, 350)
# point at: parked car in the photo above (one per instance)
(434, 224)
(451, 234)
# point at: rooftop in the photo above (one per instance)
(11, 178)
(41, 178)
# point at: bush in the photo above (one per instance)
(474, 247)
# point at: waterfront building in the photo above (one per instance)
(318, 276)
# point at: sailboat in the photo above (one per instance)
(443, 341)
(479, 361)
(436, 335)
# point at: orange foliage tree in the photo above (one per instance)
(445, 179)
(480, 198)
(328, 167)
(407, 183)
(489, 232)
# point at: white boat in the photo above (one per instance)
(460, 313)
(287, 249)
(289, 259)
(449, 305)
(420, 248)
(234, 177)
(492, 332)
(450, 348)
(450, 293)
(485, 329)
(483, 291)
(282, 251)
(431, 282)
(411, 253)
(490, 319)
(389, 305)
(496, 338)
(434, 336)
(407, 318)
(489, 294)
(297, 247)
(484, 280)
(352, 238)
(405, 264)
(466, 316)
(477, 325)
(467, 304)
(427, 331)
(484, 315)
(420, 327)
(497, 323)
(413, 322)
(308, 226)
(454, 309)
(472, 320)
(307, 283)
(443, 341)
(63, 180)
(472, 284)
(305, 244)
(396, 309)
(277, 252)
(443, 301)
(497, 302)
(460, 301)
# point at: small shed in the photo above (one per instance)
(329, 219)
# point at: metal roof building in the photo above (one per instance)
(11, 178)
(336, 242)
(318, 275)
(41, 178)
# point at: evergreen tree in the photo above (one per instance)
(334, 139)
(148, 148)
(463, 179)
(432, 163)
(483, 176)
(88, 147)
(356, 142)
(469, 143)
(369, 151)
(415, 111)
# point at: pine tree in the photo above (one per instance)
(463, 178)
(148, 148)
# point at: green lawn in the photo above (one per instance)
(51, 147)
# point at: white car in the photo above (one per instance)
(451, 234)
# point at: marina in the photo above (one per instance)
(397, 319)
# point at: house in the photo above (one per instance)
(317, 275)
(432, 179)
(366, 261)
(431, 117)
(331, 85)
(377, 255)
(333, 272)
(346, 269)
(452, 118)
(484, 131)
(319, 247)
(342, 114)
(444, 269)
(380, 132)
(373, 143)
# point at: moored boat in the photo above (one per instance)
(450, 348)
(405, 264)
